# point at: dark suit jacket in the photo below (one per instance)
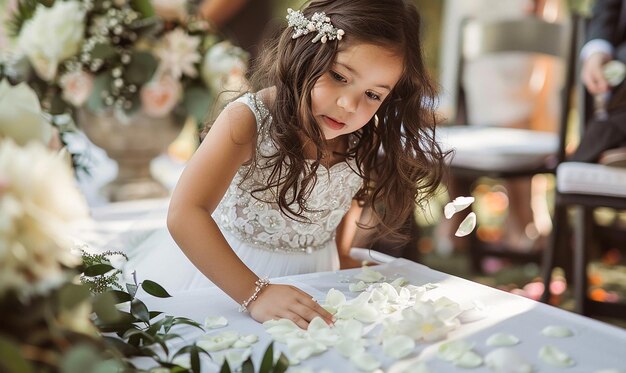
(609, 23)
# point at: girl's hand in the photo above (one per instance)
(287, 302)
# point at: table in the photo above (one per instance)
(594, 346)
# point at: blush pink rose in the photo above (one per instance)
(159, 97)
(77, 87)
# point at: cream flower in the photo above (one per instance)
(77, 87)
(224, 62)
(170, 10)
(20, 115)
(159, 97)
(178, 54)
(38, 198)
(65, 20)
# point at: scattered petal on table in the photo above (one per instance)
(469, 360)
(335, 298)
(502, 339)
(369, 275)
(554, 356)
(399, 282)
(557, 331)
(320, 331)
(234, 357)
(459, 204)
(182, 360)
(450, 351)
(246, 341)
(398, 346)
(467, 225)
(358, 286)
(365, 361)
(217, 342)
(350, 347)
(214, 322)
(349, 329)
(302, 348)
(507, 360)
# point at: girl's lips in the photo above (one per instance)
(333, 124)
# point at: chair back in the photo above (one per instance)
(530, 35)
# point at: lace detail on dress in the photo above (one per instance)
(261, 224)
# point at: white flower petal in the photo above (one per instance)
(398, 346)
(469, 359)
(349, 347)
(303, 348)
(554, 356)
(369, 275)
(349, 329)
(335, 298)
(399, 282)
(357, 287)
(459, 204)
(557, 331)
(214, 322)
(502, 339)
(365, 361)
(507, 360)
(453, 350)
(246, 341)
(467, 225)
(217, 342)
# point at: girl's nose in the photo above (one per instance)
(347, 103)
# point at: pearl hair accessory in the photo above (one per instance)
(319, 22)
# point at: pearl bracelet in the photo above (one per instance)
(260, 284)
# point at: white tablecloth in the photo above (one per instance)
(594, 346)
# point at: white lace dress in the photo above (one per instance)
(267, 241)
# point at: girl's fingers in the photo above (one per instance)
(297, 319)
(316, 309)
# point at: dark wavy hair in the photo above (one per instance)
(398, 158)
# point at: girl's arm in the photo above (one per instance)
(346, 231)
(229, 144)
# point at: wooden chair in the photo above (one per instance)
(584, 187)
(505, 153)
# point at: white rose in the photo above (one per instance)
(77, 86)
(38, 200)
(170, 10)
(52, 35)
(224, 63)
(20, 115)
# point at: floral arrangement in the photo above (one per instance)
(120, 55)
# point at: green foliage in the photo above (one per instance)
(98, 273)
(25, 10)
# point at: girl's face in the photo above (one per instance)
(345, 98)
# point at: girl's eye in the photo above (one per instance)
(373, 96)
(337, 77)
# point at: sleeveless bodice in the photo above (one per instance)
(259, 221)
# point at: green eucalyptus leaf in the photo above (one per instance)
(120, 296)
(225, 367)
(103, 51)
(139, 310)
(11, 360)
(169, 322)
(268, 359)
(141, 68)
(132, 290)
(195, 360)
(124, 348)
(186, 321)
(281, 365)
(154, 289)
(197, 102)
(97, 270)
(101, 83)
(247, 366)
(79, 359)
(71, 295)
(104, 307)
(143, 7)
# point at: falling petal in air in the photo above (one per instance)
(459, 204)
(467, 225)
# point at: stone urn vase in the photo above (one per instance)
(132, 142)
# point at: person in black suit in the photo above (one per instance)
(606, 42)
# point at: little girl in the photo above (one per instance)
(341, 118)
